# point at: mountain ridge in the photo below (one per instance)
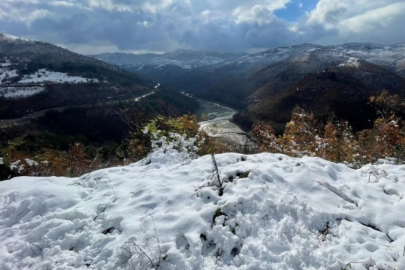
(36, 75)
(255, 81)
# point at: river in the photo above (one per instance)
(218, 123)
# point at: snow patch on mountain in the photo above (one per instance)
(10, 37)
(44, 75)
(184, 59)
(351, 62)
(33, 84)
(7, 73)
(20, 91)
(276, 212)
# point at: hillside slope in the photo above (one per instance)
(276, 213)
(185, 59)
(342, 91)
(391, 57)
(231, 79)
(36, 75)
(275, 71)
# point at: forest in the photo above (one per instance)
(80, 140)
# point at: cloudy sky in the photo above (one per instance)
(95, 26)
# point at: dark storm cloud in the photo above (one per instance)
(227, 25)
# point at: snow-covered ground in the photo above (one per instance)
(44, 75)
(276, 213)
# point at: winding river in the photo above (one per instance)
(218, 122)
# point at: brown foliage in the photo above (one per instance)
(337, 142)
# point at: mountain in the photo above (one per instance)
(276, 212)
(168, 68)
(325, 80)
(185, 59)
(231, 79)
(336, 79)
(391, 57)
(342, 91)
(36, 76)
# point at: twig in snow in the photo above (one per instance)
(338, 192)
(112, 188)
(216, 172)
(137, 255)
(373, 263)
(32, 244)
(349, 265)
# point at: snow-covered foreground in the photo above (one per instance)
(276, 213)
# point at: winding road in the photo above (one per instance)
(9, 123)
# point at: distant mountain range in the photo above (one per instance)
(185, 59)
(36, 76)
(391, 57)
(266, 86)
(269, 84)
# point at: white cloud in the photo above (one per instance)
(360, 20)
(63, 4)
(373, 20)
(257, 14)
(227, 25)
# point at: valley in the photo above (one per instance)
(267, 86)
(218, 123)
(202, 135)
(45, 88)
(9, 123)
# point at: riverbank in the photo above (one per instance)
(218, 123)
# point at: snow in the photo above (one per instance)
(351, 62)
(180, 58)
(6, 64)
(31, 162)
(144, 96)
(7, 73)
(17, 166)
(44, 75)
(20, 91)
(25, 88)
(10, 37)
(277, 212)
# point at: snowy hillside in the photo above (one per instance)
(4, 36)
(44, 75)
(184, 59)
(33, 84)
(391, 57)
(276, 213)
(27, 67)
